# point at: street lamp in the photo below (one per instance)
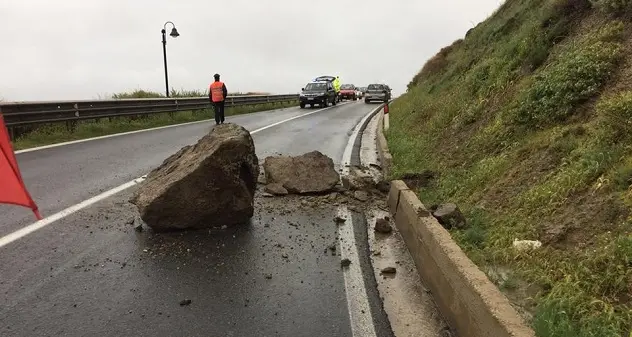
(174, 34)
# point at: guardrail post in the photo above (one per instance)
(171, 112)
(71, 126)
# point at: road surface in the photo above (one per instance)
(91, 274)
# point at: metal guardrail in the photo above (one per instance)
(18, 114)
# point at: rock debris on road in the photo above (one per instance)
(95, 272)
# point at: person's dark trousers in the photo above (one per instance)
(219, 112)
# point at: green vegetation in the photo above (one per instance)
(612, 6)
(140, 93)
(57, 133)
(527, 120)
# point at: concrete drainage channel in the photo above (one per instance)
(465, 297)
(407, 302)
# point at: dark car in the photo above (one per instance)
(318, 92)
(377, 92)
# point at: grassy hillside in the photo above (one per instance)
(526, 124)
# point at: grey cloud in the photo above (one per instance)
(78, 49)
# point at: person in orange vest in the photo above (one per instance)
(217, 94)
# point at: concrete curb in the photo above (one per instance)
(470, 303)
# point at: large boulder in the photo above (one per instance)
(311, 172)
(209, 184)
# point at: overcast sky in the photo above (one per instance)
(88, 49)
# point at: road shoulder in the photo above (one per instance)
(408, 303)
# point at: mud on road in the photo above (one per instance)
(279, 275)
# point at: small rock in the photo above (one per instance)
(361, 195)
(445, 332)
(358, 179)
(554, 233)
(285, 256)
(185, 302)
(383, 186)
(345, 263)
(354, 209)
(422, 212)
(262, 178)
(130, 221)
(383, 226)
(449, 216)
(339, 219)
(268, 276)
(139, 228)
(267, 195)
(389, 270)
(276, 189)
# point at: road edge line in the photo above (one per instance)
(345, 163)
(360, 316)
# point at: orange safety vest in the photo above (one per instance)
(217, 93)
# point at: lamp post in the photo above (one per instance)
(174, 34)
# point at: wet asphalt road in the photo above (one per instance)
(92, 274)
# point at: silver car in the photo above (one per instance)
(377, 92)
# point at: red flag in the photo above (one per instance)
(12, 189)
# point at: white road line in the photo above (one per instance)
(7, 239)
(346, 156)
(104, 137)
(293, 118)
(362, 324)
(118, 134)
